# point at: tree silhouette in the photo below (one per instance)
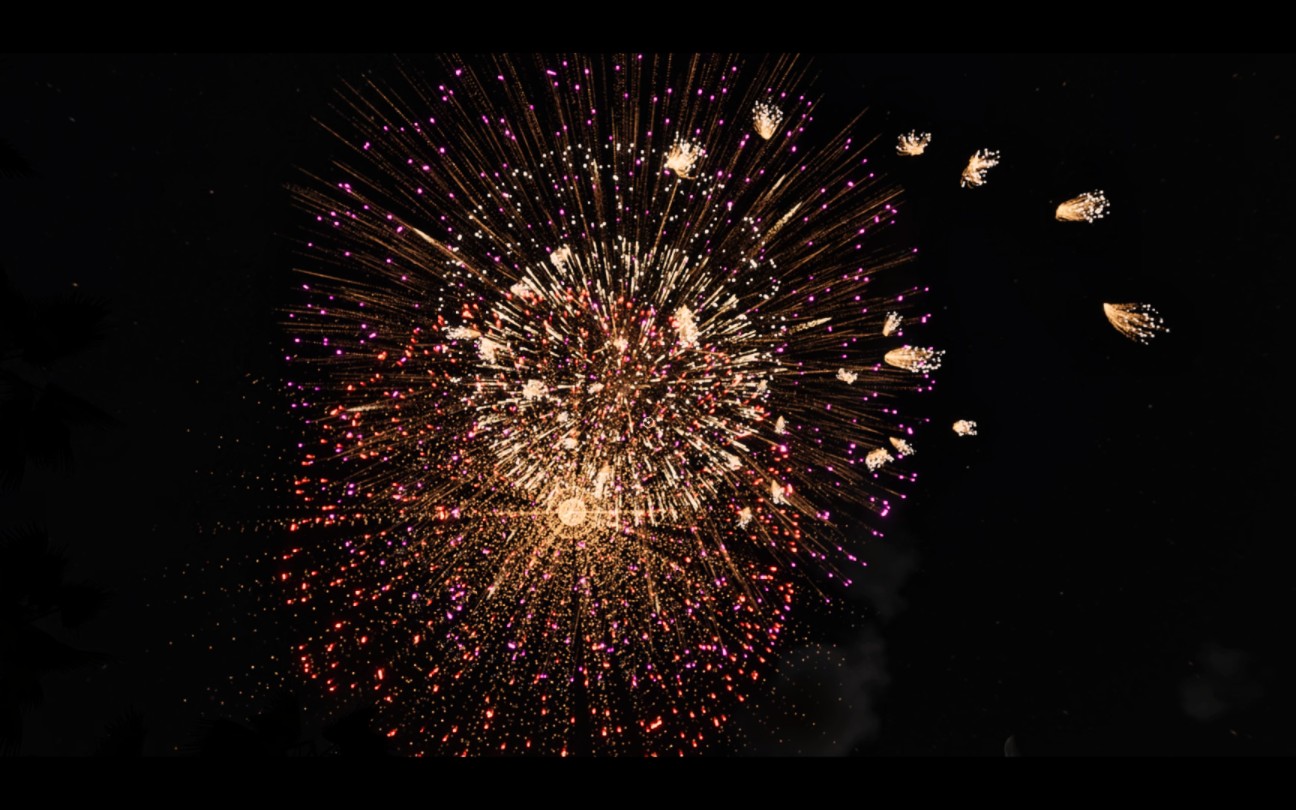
(13, 164)
(123, 736)
(278, 732)
(353, 735)
(34, 337)
(38, 412)
(34, 591)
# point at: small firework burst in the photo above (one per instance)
(778, 494)
(686, 327)
(913, 143)
(1088, 207)
(766, 119)
(902, 447)
(915, 358)
(683, 158)
(981, 162)
(848, 377)
(877, 458)
(533, 390)
(560, 257)
(462, 333)
(893, 321)
(488, 349)
(965, 427)
(1138, 322)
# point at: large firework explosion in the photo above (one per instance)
(591, 351)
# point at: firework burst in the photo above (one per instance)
(587, 362)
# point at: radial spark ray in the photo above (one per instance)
(586, 362)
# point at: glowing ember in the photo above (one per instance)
(876, 458)
(572, 511)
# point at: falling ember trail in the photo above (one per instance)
(583, 369)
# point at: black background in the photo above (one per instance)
(1105, 569)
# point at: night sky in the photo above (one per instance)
(1104, 570)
